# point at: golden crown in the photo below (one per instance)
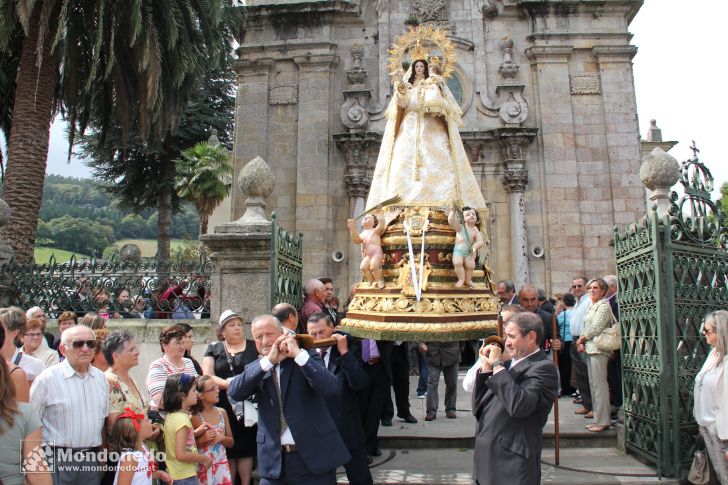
(417, 44)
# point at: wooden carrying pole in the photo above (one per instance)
(554, 333)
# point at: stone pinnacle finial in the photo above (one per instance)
(256, 181)
(654, 133)
(659, 172)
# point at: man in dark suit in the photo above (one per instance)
(344, 362)
(528, 295)
(507, 293)
(398, 370)
(512, 405)
(298, 442)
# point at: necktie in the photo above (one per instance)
(277, 385)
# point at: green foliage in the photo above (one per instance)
(723, 201)
(111, 252)
(188, 252)
(81, 235)
(86, 199)
(204, 178)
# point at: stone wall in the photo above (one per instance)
(561, 69)
(146, 334)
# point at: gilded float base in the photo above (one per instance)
(443, 312)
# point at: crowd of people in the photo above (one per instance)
(297, 413)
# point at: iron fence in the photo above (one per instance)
(672, 271)
(146, 288)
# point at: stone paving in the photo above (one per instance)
(439, 452)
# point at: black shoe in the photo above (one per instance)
(370, 459)
(375, 452)
(386, 422)
(409, 419)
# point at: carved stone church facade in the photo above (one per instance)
(549, 112)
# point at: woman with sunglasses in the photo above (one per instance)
(711, 394)
(598, 318)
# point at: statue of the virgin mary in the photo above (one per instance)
(422, 158)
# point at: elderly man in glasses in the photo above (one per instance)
(72, 401)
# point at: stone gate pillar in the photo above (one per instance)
(240, 251)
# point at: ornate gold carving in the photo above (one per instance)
(404, 279)
(417, 43)
(431, 240)
(446, 305)
(444, 257)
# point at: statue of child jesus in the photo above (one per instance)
(370, 238)
(468, 240)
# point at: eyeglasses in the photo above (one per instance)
(78, 344)
(213, 388)
(707, 331)
(33, 334)
(576, 286)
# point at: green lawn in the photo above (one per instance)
(148, 246)
(43, 255)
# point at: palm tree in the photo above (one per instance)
(97, 61)
(203, 178)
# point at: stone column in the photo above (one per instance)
(240, 251)
(620, 120)
(515, 179)
(560, 177)
(314, 198)
(357, 179)
(513, 143)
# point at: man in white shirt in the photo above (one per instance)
(578, 360)
(72, 401)
(287, 315)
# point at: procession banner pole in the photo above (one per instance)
(554, 332)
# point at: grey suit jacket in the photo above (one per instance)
(512, 408)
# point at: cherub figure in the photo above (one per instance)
(468, 240)
(370, 238)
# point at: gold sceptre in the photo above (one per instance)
(384, 203)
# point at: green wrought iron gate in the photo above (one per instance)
(286, 270)
(672, 271)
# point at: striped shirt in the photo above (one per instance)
(72, 408)
(159, 370)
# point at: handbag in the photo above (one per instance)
(611, 337)
(700, 470)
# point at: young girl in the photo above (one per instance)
(218, 436)
(136, 463)
(178, 397)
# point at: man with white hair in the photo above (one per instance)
(39, 313)
(72, 401)
(315, 293)
(614, 365)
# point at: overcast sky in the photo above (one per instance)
(677, 77)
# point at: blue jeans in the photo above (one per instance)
(422, 381)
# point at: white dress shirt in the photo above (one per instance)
(72, 408)
(579, 315)
(266, 365)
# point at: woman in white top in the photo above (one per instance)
(711, 394)
(35, 345)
